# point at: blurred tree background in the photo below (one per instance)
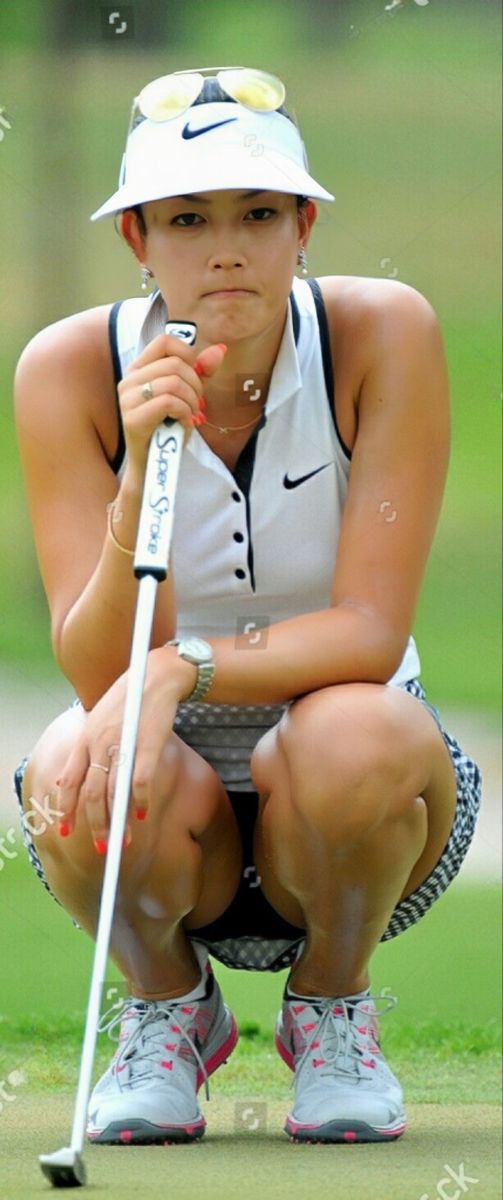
(400, 114)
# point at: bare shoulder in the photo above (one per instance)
(364, 311)
(66, 418)
(71, 337)
(371, 322)
(67, 370)
(356, 296)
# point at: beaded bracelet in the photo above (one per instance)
(110, 511)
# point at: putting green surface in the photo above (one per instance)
(457, 1144)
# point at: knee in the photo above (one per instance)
(186, 794)
(345, 773)
(41, 813)
(268, 764)
(49, 756)
(76, 855)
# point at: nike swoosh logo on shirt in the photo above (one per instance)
(187, 132)
(293, 483)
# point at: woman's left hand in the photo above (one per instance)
(89, 776)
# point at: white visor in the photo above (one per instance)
(212, 147)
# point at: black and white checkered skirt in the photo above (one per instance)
(250, 935)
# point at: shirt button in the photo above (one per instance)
(236, 497)
(238, 537)
(240, 574)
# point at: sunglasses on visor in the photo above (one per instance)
(171, 95)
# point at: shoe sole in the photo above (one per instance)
(336, 1131)
(137, 1132)
(342, 1132)
(142, 1133)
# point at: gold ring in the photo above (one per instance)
(147, 391)
(100, 767)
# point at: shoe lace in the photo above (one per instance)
(140, 1048)
(344, 1041)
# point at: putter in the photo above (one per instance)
(65, 1167)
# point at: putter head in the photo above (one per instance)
(64, 1168)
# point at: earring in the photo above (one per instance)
(145, 275)
(302, 260)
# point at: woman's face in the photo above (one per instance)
(225, 259)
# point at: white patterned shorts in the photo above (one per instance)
(252, 936)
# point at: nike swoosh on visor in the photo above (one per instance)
(187, 132)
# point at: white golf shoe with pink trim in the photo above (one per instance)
(344, 1090)
(167, 1049)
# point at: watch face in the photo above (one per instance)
(196, 649)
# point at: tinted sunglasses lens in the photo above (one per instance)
(169, 96)
(254, 89)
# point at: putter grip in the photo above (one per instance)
(155, 526)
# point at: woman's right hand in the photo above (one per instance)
(175, 376)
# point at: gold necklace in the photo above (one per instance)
(232, 428)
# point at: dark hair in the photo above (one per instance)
(212, 93)
(138, 212)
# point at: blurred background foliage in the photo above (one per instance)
(401, 117)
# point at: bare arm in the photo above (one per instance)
(66, 414)
(399, 466)
(63, 388)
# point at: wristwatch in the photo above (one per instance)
(200, 653)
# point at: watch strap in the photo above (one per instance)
(205, 676)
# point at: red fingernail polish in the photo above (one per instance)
(101, 846)
(64, 829)
(141, 814)
(198, 369)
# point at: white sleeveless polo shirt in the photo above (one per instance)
(257, 545)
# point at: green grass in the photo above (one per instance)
(437, 1063)
(442, 1037)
